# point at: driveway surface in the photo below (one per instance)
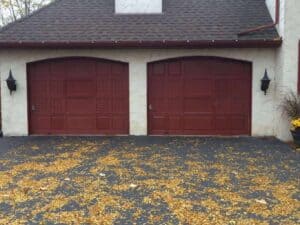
(148, 180)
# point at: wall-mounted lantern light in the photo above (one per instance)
(265, 82)
(11, 83)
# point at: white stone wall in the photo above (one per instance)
(138, 6)
(14, 107)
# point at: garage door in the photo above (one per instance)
(199, 96)
(78, 96)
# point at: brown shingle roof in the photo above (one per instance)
(92, 21)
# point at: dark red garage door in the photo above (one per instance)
(199, 96)
(78, 96)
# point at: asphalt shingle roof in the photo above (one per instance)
(181, 20)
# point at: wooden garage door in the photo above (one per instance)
(199, 96)
(78, 96)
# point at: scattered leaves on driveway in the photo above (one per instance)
(128, 180)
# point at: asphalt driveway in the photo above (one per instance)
(148, 180)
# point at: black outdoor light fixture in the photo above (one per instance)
(265, 82)
(11, 83)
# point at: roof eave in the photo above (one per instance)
(261, 43)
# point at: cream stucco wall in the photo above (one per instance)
(138, 6)
(286, 56)
(271, 4)
(14, 107)
(271, 7)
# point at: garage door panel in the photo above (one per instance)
(103, 123)
(222, 89)
(204, 96)
(174, 106)
(40, 88)
(231, 122)
(58, 123)
(40, 71)
(198, 87)
(195, 68)
(223, 106)
(104, 88)
(57, 88)
(80, 123)
(41, 123)
(104, 106)
(103, 69)
(175, 68)
(58, 70)
(58, 106)
(239, 106)
(174, 88)
(175, 123)
(120, 105)
(119, 123)
(120, 88)
(79, 68)
(118, 70)
(159, 105)
(238, 122)
(159, 122)
(200, 122)
(81, 88)
(159, 87)
(227, 67)
(80, 106)
(240, 88)
(222, 123)
(158, 69)
(78, 96)
(41, 106)
(198, 105)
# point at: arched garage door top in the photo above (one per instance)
(209, 58)
(89, 58)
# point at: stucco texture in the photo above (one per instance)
(287, 57)
(14, 107)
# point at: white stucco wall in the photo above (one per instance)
(271, 7)
(14, 107)
(271, 4)
(287, 58)
(138, 6)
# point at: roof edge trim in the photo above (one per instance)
(146, 44)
